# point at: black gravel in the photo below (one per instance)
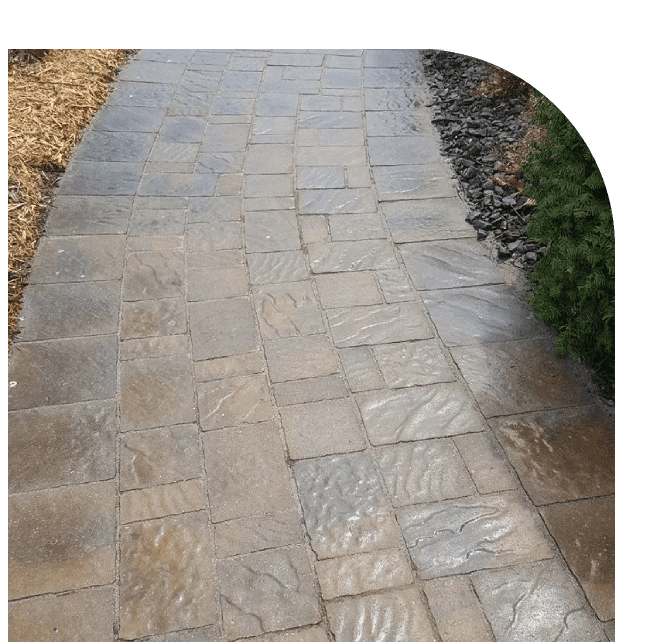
(474, 131)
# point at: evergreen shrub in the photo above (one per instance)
(572, 288)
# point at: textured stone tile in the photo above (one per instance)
(387, 77)
(427, 219)
(242, 365)
(148, 71)
(154, 244)
(214, 259)
(166, 580)
(473, 533)
(301, 357)
(485, 462)
(214, 209)
(392, 99)
(399, 182)
(327, 119)
(518, 376)
(276, 105)
(395, 616)
(297, 59)
(307, 634)
(228, 137)
(287, 310)
(560, 455)
(198, 80)
(585, 534)
(61, 539)
(417, 413)
(395, 286)
(424, 471)
(351, 256)
(610, 630)
(361, 369)
(334, 202)
(267, 232)
(399, 58)
(214, 236)
(251, 534)
(160, 202)
(319, 177)
(62, 371)
(205, 57)
(201, 634)
(158, 456)
(343, 78)
(157, 222)
(154, 275)
(269, 158)
(177, 184)
(78, 259)
(71, 215)
(340, 137)
(59, 617)
(344, 507)
(295, 392)
(216, 283)
(141, 94)
(457, 611)
(450, 264)
(348, 289)
(314, 229)
(396, 123)
(166, 345)
(270, 185)
(536, 603)
(247, 473)
(222, 328)
(321, 428)
(274, 268)
(232, 401)
(358, 176)
(155, 392)
(69, 310)
(356, 227)
(413, 363)
(153, 318)
(403, 150)
(190, 102)
(379, 324)
(182, 129)
(335, 156)
(100, 178)
(266, 591)
(161, 501)
(121, 146)
(165, 151)
(267, 204)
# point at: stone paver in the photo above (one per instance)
(269, 387)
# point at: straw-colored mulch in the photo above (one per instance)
(50, 101)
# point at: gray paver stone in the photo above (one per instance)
(301, 357)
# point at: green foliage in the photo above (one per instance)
(573, 287)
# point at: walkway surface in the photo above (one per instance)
(269, 386)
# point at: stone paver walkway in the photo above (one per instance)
(269, 386)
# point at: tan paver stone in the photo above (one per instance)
(247, 473)
(370, 254)
(472, 533)
(348, 289)
(314, 229)
(360, 368)
(288, 310)
(82, 616)
(269, 158)
(161, 501)
(356, 227)
(201, 634)
(585, 534)
(270, 185)
(416, 413)
(166, 345)
(457, 611)
(61, 445)
(424, 471)
(321, 428)
(274, 268)
(485, 462)
(358, 176)
(413, 363)
(610, 630)
(159, 456)
(364, 572)
(217, 283)
(268, 232)
(155, 392)
(267, 591)
(214, 259)
(153, 318)
(251, 534)
(61, 539)
(233, 401)
(229, 185)
(54, 372)
(536, 603)
(307, 634)
(154, 275)
(560, 455)
(225, 235)
(246, 364)
(395, 285)
(225, 138)
(295, 392)
(166, 577)
(301, 357)
(393, 616)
